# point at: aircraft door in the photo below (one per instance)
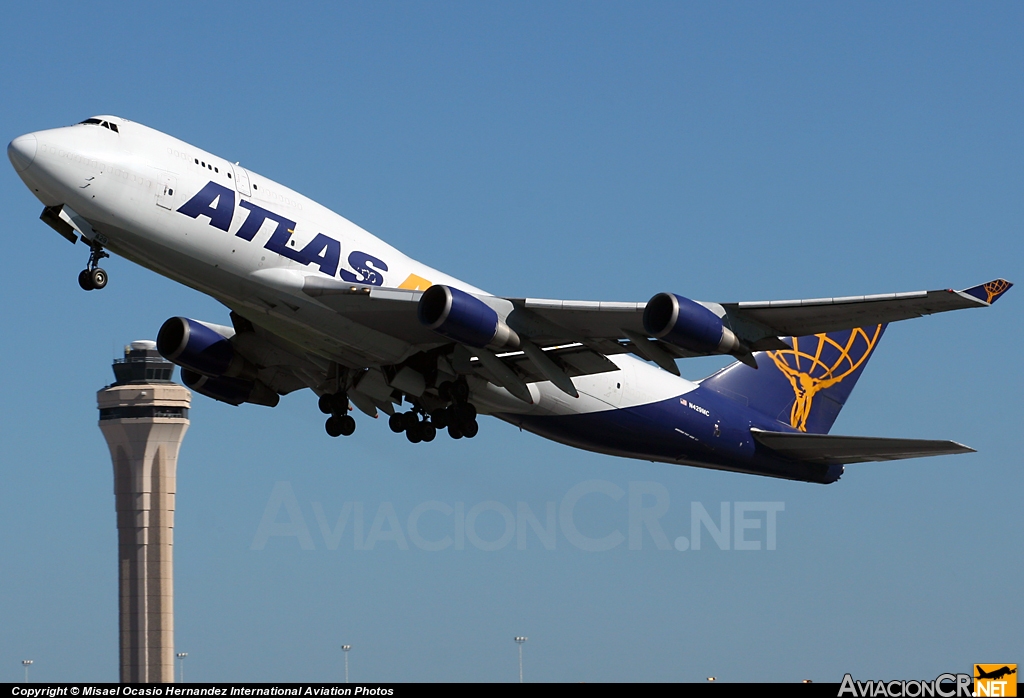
(241, 178)
(165, 193)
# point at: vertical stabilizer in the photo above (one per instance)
(803, 387)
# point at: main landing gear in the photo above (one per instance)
(92, 277)
(340, 423)
(459, 417)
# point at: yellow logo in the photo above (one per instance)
(995, 680)
(994, 288)
(813, 369)
(415, 283)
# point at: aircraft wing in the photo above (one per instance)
(583, 333)
(829, 449)
(758, 324)
(785, 318)
(797, 318)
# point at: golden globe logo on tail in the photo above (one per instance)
(810, 371)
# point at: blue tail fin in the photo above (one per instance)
(805, 386)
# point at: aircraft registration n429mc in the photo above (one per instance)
(316, 302)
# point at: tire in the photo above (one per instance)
(413, 435)
(439, 418)
(98, 277)
(348, 425)
(411, 421)
(324, 403)
(339, 403)
(470, 429)
(467, 410)
(85, 280)
(333, 426)
(445, 390)
(396, 423)
(428, 432)
(454, 433)
(460, 391)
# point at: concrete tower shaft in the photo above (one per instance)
(143, 417)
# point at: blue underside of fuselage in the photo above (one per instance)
(700, 428)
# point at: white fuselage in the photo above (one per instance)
(129, 186)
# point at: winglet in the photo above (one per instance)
(989, 293)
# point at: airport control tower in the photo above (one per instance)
(144, 416)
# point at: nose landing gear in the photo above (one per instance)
(92, 277)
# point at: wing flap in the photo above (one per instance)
(830, 449)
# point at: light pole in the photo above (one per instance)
(181, 666)
(519, 641)
(26, 663)
(345, 649)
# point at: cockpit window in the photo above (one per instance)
(100, 122)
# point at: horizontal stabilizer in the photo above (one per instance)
(828, 449)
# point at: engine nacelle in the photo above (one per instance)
(688, 324)
(233, 391)
(464, 318)
(197, 346)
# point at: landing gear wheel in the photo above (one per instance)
(428, 432)
(439, 418)
(413, 435)
(348, 425)
(98, 277)
(460, 391)
(338, 403)
(470, 429)
(454, 432)
(92, 277)
(467, 411)
(334, 426)
(324, 403)
(411, 421)
(397, 423)
(85, 280)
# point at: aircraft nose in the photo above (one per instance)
(22, 151)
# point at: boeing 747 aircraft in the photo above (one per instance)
(316, 302)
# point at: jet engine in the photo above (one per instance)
(464, 318)
(689, 325)
(202, 348)
(233, 391)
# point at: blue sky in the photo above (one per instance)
(725, 152)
